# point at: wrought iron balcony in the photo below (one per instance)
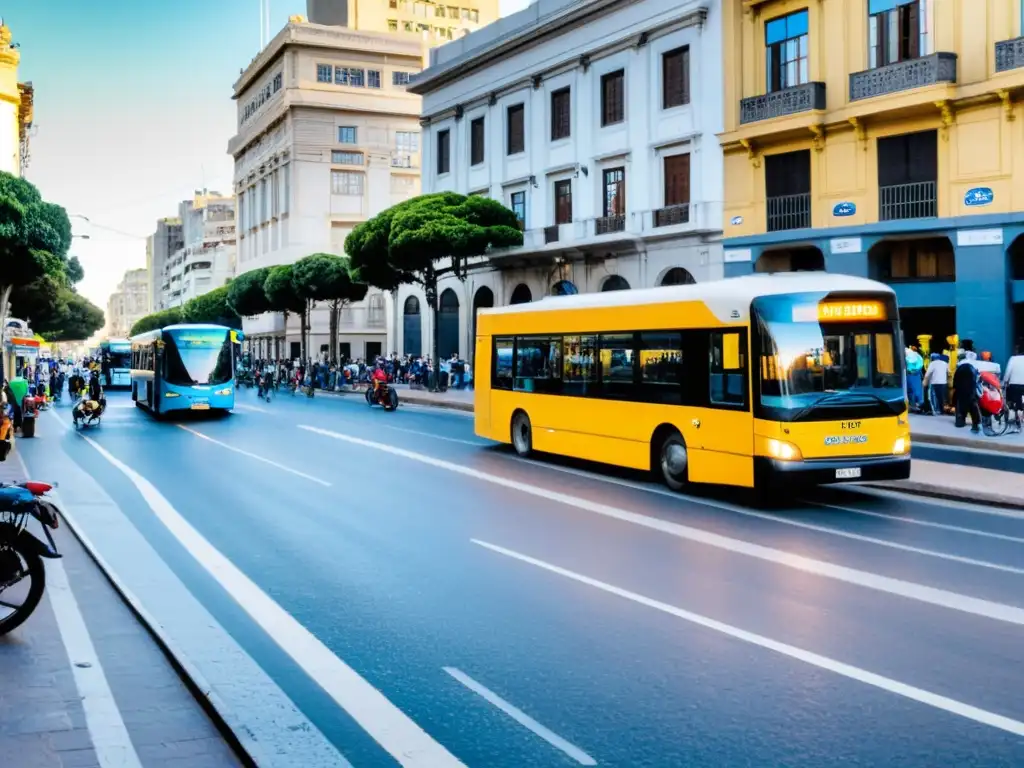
(917, 200)
(608, 224)
(789, 212)
(551, 234)
(788, 101)
(903, 76)
(672, 214)
(1010, 54)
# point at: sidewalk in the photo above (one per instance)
(939, 430)
(453, 399)
(961, 483)
(84, 685)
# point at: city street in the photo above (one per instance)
(371, 588)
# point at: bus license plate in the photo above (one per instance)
(206, 407)
(848, 474)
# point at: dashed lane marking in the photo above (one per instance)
(926, 523)
(908, 589)
(808, 657)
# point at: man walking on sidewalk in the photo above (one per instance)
(965, 393)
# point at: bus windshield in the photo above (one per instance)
(119, 357)
(819, 355)
(198, 356)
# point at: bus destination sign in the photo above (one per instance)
(833, 311)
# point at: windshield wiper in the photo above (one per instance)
(845, 396)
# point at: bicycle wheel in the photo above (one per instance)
(1001, 421)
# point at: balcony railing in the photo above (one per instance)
(551, 234)
(788, 101)
(1010, 54)
(917, 200)
(672, 214)
(903, 76)
(608, 224)
(403, 160)
(789, 212)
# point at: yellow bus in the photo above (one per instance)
(759, 381)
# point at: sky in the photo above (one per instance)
(133, 111)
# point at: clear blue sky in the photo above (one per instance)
(133, 110)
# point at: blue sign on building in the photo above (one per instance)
(736, 221)
(978, 196)
(844, 209)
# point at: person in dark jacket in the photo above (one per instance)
(965, 393)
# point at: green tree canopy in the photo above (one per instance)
(404, 243)
(246, 295)
(282, 292)
(41, 302)
(160, 319)
(211, 307)
(326, 277)
(74, 271)
(79, 319)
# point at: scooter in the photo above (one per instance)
(21, 553)
(87, 413)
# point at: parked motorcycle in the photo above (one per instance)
(385, 396)
(21, 553)
(87, 413)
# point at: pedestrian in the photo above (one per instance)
(915, 366)
(1013, 380)
(936, 381)
(965, 393)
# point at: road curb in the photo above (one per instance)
(992, 444)
(231, 728)
(411, 399)
(925, 489)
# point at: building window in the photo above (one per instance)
(785, 43)
(402, 184)
(407, 141)
(615, 192)
(474, 16)
(613, 107)
(453, 12)
(392, 3)
(561, 114)
(476, 141)
(340, 157)
(373, 78)
(517, 202)
(407, 27)
(347, 134)
(400, 78)
(675, 78)
(346, 183)
(392, 25)
(286, 187)
(788, 190)
(896, 31)
(278, 82)
(275, 194)
(516, 129)
(677, 180)
(908, 176)
(352, 76)
(563, 201)
(439, 11)
(443, 151)
(324, 73)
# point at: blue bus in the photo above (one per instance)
(115, 357)
(184, 367)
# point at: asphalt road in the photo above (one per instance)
(422, 597)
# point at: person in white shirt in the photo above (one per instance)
(936, 381)
(1013, 381)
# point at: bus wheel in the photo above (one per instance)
(522, 434)
(672, 461)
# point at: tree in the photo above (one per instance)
(161, 319)
(211, 307)
(246, 295)
(283, 296)
(41, 302)
(79, 320)
(326, 277)
(406, 242)
(74, 271)
(34, 239)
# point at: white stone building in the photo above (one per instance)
(206, 259)
(128, 304)
(327, 137)
(596, 123)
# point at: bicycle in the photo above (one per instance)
(1007, 420)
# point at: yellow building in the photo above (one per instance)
(15, 107)
(433, 22)
(882, 138)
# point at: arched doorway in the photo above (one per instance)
(805, 259)
(448, 324)
(412, 327)
(521, 294)
(615, 283)
(564, 288)
(678, 276)
(482, 299)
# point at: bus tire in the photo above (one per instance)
(522, 434)
(672, 461)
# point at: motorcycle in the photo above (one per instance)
(87, 413)
(384, 395)
(21, 553)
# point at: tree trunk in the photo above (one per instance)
(285, 314)
(5, 297)
(430, 286)
(303, 327)
(335, 307)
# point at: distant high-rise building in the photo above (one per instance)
(434, 23)
(167, 240)
(129, 303)
(206, 259)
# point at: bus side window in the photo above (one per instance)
(502, 376)
(728, 366)
(661, 367)
(579, 361)
(538, 365)
(618, 366)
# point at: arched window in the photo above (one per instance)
(412, 306)
(615, 283)
(449, 301)
(678, 276)
(564, 288)
(412, 327)
(521, 294)
(448, 324)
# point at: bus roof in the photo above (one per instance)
(723, 297)
(108, 342)
(155, 333)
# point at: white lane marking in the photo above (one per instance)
(521, 717)
(254, 456)
(435, 437)
(735, 508)
(809, 657)
(107, 731)
(959, 506)
(932, 595)
(402, 738)
(256, 408)
(926, 523)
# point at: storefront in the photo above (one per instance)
(19, 353)
(961, 275)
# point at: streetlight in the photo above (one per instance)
(81, 237)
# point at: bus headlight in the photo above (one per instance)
(225, 391)
(783, 451)
(901, 446)
(171, 394)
